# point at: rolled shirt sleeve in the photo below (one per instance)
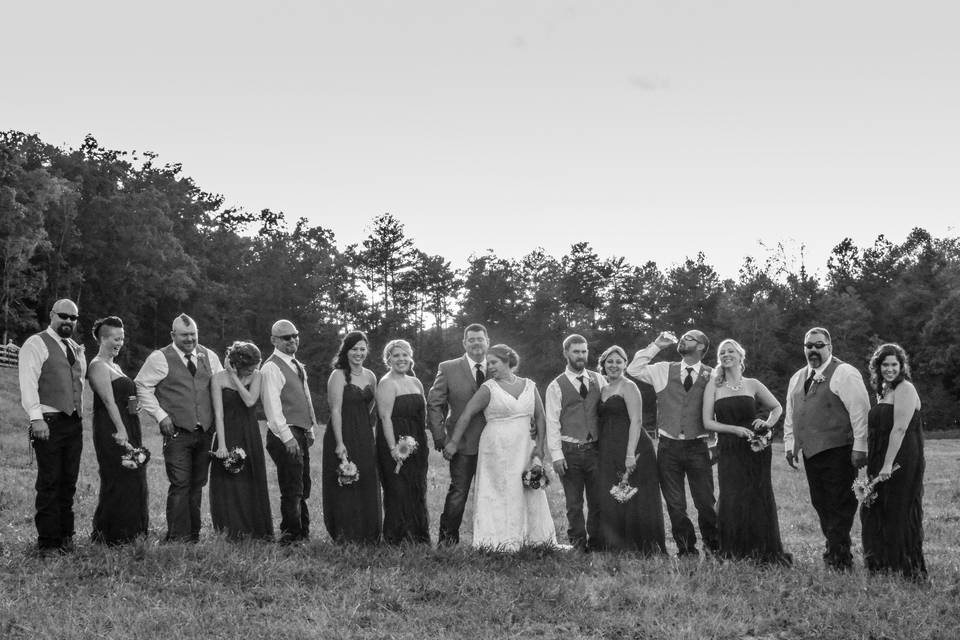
(270, 389)
(551, 412)
(153, 371)
(847, 383)
(656, 375)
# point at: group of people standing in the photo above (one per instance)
(494, 428)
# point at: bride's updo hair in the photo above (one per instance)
(614, 350)
(720, 377)
(243, 355)
(506, 354)
(404, 346)
(109, 321)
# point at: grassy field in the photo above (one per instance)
(220, 590)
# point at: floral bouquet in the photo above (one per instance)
(622, 491)
(406, 447)
(347, 473)
(866, 489)
(134, 457)
(761, 438)
(235, 461)
(535, 477)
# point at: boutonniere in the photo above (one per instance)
(817, 379)
(704, 374)
(199, 353)
(78, 348)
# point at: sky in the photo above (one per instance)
(651, 130)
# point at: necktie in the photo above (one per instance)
(72, 359)
(688, 381)
(480, 376)
(583, 387)
(299, 369)
(191, 367)
(808, 382)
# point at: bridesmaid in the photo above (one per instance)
(351, 512)
(637, 524)
(239, 502)
(892, 527)
(402, 408)
(121, 514)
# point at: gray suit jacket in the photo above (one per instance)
(455, 384)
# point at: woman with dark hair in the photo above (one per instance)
(122, 513)
(892, 526)
(239, 501)
(625, 448)
(507, 515)
(351, 507)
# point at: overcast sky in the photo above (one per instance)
(651, 130)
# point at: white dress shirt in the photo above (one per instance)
(847, 383)
(473, 366)
(552, 408)
(270, 388)
(658, 374)
(33, 354)
(155, 369)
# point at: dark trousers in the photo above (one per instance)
(582, 478)
(186, 455)
(677, 459)
(462, 469)
(293, 478)
(830, 476)
(58, 465)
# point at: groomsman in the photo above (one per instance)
(51, 371)
(572, 415)
(456, 382)
(174, 387)
(291, 422)
(826, 420)
(683, 441)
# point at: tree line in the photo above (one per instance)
(123, 234)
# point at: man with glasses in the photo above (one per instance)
(291, 422)
(173, 386)
(683, 450)
(52, 370)
(826, 420)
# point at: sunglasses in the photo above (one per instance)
(815, 345)
(67, 316)
(289, 336)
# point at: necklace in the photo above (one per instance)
(733, 387)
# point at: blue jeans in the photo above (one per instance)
(186, 457)
(293, 478)
(582, 478)
(690, 459)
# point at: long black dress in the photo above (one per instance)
(352, 512)
(405, 493)
(122, 512)
(637, 524)
(892, 527)
(240, 502)
(746, 510)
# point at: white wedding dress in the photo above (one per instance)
(507, 516)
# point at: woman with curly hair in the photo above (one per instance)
(892, 526)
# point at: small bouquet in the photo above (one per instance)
(135, 457)
(622, 491)
(761, 438)
(866, 489)
(535, 477)
(347, 473)
(235, 461)
(406, 447)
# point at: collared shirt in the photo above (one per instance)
(473, 365)
(270, 388)
(33, 354)
(155, 369)
(847, 383)
(552, 408)
(658, 374)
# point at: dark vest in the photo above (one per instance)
(820, 419)
(296, 406)
(578, 416)
(186, 398)
(680, 412)
(60, 385)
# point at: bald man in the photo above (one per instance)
(292, 427)
(174, 387)
(52, 368)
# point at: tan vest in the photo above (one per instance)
(820, 419)
(680, 412)
(60, 385)
(185, 397)
(296, 406)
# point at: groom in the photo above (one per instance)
(457, 380)
(572, 415)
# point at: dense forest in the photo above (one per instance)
(122, 234)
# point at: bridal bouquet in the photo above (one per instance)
(406, 447)
(134, 458)
(866, 489)
(235, 461)
(535, 477)
(622, 491)
(761, 438)
(347, 473)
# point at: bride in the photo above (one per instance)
(507, 516)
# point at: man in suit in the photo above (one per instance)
(456, 382)
(173, 386)
(51, 371)
(571, 407)
(292, 429)
(826, 420)
(683, 450)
